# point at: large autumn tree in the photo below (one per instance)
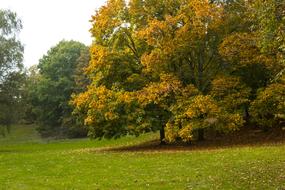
(152, 65)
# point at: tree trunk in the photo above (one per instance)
(162, 136)
(246, 114)
(201, 135)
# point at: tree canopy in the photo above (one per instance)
(50, 95)
(181, 67)
(11, 57)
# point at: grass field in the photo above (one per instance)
(28, 162)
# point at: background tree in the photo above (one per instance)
(268, 108)
(270, 26)
(29, 94)
(80, 76)
(256, 55)
(11, 57)
(52, 91)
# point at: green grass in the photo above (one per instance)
(28, 162)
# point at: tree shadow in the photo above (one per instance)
(247, 137)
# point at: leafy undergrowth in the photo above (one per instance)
(33, 163)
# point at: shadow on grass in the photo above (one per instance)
(244, 138)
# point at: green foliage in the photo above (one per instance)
(270, 28)
(11, 76)
(50, 95)
(11, 49)
(29, 94)
(80, 77)
(11, 98)
(271, 19)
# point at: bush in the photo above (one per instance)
(268, 109)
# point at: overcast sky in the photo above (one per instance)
(46, 22)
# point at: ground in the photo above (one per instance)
(29, 162)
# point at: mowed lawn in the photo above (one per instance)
(28, 162)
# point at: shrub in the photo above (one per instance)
(268, 109)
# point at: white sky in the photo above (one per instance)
(46, 22)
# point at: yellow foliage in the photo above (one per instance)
(110, 116)
(200, 112)
(171, 132)
(88, 120)
(186, 133)
(159, 92)
(186, 28)
(172, 44)
(106, 19)
(230, 122)
(126, 97)
(230, 92)
(153, 61)
(199, 16)
(201, 107)
(99, 54)
(243, 48)
(268, 109)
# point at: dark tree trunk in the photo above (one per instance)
(246, 114)
(162, 136)
(201, 135)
